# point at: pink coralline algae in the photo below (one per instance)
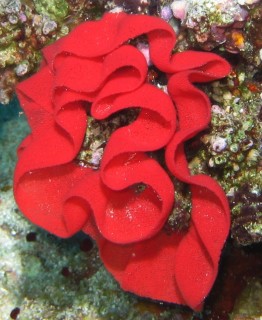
(166, 13)
(179, 8)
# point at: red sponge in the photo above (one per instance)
(96, 64)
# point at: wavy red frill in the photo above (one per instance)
(95, 63)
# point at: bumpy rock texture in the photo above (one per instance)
(233, 158)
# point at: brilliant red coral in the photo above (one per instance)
(95, 64)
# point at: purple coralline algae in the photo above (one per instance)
(231, 26)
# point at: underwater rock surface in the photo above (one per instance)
(40, 274)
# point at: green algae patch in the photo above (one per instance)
(55, 9)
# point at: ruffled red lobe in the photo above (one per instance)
(146, 268)
(197, 253)
(105, 35)
(58, 131)
(53, 192)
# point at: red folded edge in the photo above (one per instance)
(199, 252)
(97, 38)
(125, 164)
